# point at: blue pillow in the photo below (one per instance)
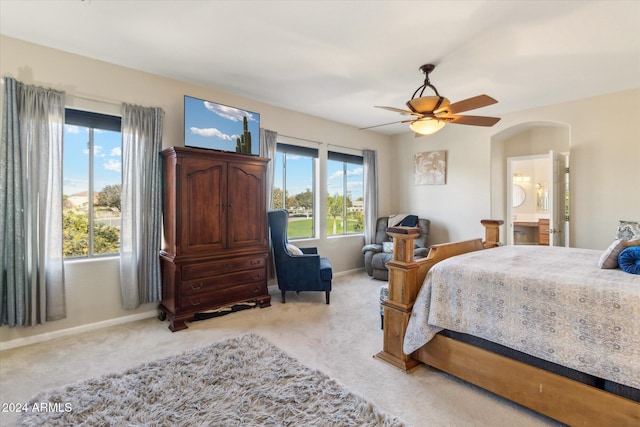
(629, 260)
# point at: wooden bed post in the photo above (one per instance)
(403, 289)
(491, 232)
(405, 279)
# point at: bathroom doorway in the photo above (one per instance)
(538, 199)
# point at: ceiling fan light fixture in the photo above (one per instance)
(430, 113)
(426, 127)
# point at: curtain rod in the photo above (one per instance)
(94, 99)
(85, 97)
(302, 139)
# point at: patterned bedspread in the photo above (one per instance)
(552, 303)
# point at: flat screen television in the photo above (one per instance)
(220, 127)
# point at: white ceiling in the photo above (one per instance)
(337, 59)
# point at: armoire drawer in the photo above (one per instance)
(211, 268)
(212, 283)
(221, 297)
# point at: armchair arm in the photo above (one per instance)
(301, 267)
(421, 252)
(372, 247)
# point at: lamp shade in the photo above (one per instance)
(427, 104)
(426, 127)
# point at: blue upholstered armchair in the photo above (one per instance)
(306, 271)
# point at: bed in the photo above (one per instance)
(563, 340)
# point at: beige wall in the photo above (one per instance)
(605, 148)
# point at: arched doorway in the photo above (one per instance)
(531, 142)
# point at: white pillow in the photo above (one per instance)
(387, 247)
(293, 250)
(609, 258)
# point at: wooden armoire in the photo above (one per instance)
(215, 232)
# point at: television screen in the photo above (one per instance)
(220, 127)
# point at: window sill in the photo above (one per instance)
(340, 236)
(92, 259)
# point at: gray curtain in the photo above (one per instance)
(31, 264)
(370, 164)
(268, 144)
(140, 235)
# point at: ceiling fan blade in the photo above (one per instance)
(467, 104)
(385, 124)
(471, 120)
(399, 110)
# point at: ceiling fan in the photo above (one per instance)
(432, 112)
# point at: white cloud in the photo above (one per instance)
(355, 172)
(212, 132)
(228, 113)
(113, 165)
(74, 182)
(116, 151)
(340, 173)
(73, 186)
(336, 174)
(71, 129)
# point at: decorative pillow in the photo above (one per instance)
(628, 230)
(387, 247)
(629, 260)
(402, 220)
(293, 250)
(609, 258)
(409, 221)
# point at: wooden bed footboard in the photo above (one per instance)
(563, 399)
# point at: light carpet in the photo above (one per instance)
(236, 382)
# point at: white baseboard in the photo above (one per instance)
(19, 342)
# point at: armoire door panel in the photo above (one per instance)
(203, 205)
(245, 226)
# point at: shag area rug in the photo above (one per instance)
(244, 381)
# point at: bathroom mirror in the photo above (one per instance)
(518, 195)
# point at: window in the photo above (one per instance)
(92, 183)
(293, 188)
(345, 194)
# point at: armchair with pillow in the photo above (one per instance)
(376, 255)
(297, 269)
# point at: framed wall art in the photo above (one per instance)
(430, 168)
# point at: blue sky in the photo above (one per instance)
(335, 183)
(216, 126)
(107, 159)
